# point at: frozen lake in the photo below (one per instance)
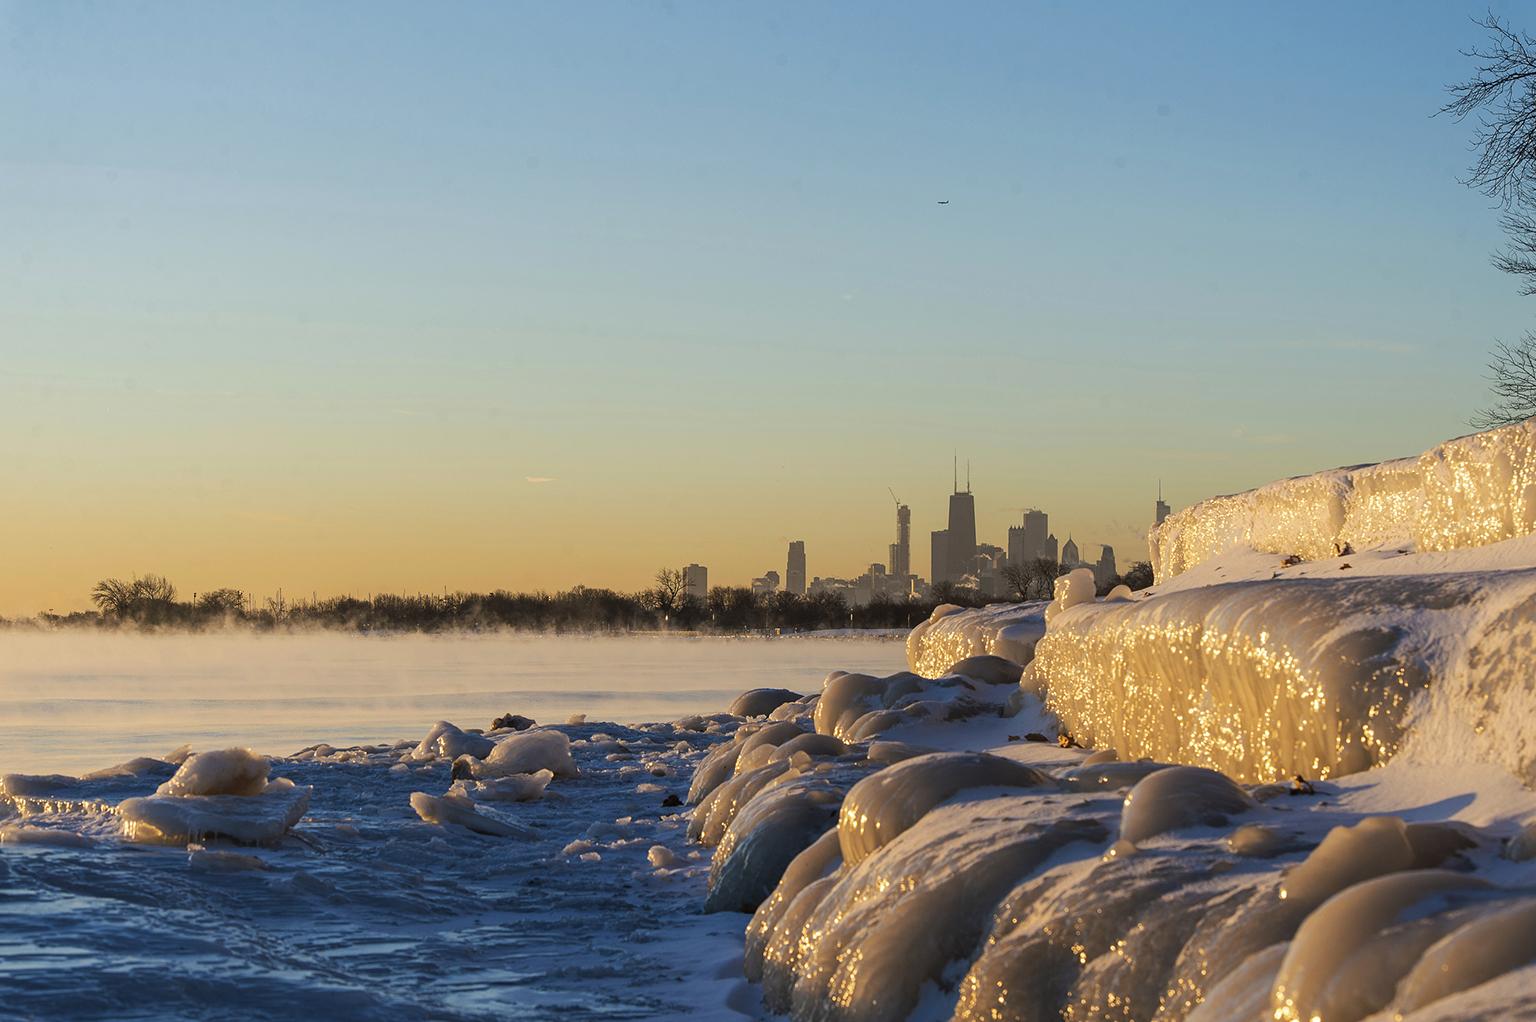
(78, 701)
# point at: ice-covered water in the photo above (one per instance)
(368, 910)
(73, 702)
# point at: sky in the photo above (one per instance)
(362, 297)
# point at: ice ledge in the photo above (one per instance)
(1467, 492)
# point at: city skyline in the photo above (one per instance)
(281, 316)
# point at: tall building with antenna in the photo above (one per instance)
(1163, 510)
(901, 550)
(960, 541)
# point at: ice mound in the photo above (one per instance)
(1180, 797)
(525, 752)
(765, 837)
(460, 810)
(445, 741)
(142, 766)
(224, 793)
(897, 919)
(953, 634)
(1320, 677)
(221, 772)
(1467, 492)
(759, 702)
(884, 805)
(261, 818)
(512, 788)
(818, 861)
(34, 784)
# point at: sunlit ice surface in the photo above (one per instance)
(74, 702)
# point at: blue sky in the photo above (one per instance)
(304, 295)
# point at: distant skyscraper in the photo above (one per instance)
(794, 572)
(1163, 510)
(1027, 542)
(1049, 550)
(696, 581)
(939, 547)
(901, 550)
(1104, 572)
(961, 544)
(1069, 555)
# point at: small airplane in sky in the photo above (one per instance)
(943, 202)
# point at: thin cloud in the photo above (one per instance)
(536, 480)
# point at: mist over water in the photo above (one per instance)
(72, 702)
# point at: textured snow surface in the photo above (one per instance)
(364, 910)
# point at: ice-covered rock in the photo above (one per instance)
(1467, 492)
(765, 837)
(759, 702)
(219, 772)
(260, 818)
(446, 741)
(953, 634)
(525, 752)
(460, 810)
(1180, 797)
(17, 834)
(512, 788)
(884, 805)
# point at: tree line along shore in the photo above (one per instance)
(153, 603)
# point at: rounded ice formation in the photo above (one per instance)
(810, 743)
(712, 772)
(1179, 797)
(662, 857)
(764, 838)
(34, 784)
(715, 814)
(1072, 589)
(759, 702)
(220, 772)
(512, 788)
(1497, 941)
(880, 807)
(526, 752)
(1347, 957)
(758, 746)
(820, 859)
(253, 817)
(446, 741)
(993, 670)
(142, 766)
(844, 699)
(460, 809)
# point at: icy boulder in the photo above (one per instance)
(759, 702)
(954, 634)
(221, 772)
(460, 810)
(765, 837)
(512, 788)
(1270, 678)
(446, 741)
(1180, 797)
(884, 805)
(882, 928)
(525, 752)
(219, 794)
(1467, 492)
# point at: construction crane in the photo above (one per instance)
(893, 496)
